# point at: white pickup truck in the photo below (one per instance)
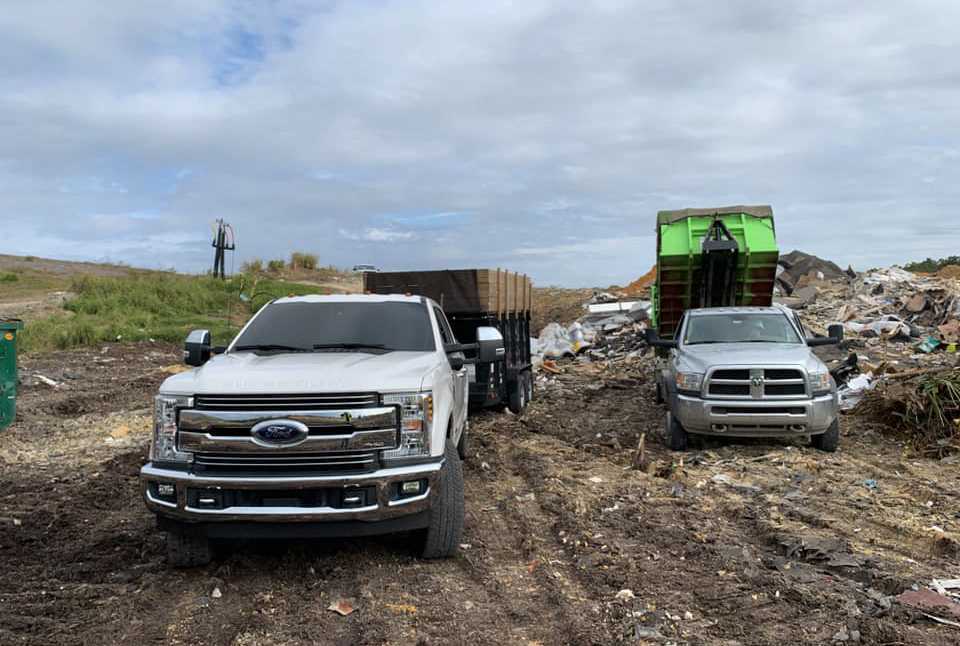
(326, 416)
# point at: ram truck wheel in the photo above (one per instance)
(677, 436)
(441, 538)
(828, 441)
(184, 550)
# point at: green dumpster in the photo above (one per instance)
(683, 261)
(9, 330)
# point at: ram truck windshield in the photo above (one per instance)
(740, 328)
(334, 326)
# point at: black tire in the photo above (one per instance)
(518, 395)
(185, 550)
(529, 382)
(464, 444)
(828, 441)
(441, 539)
(677, 437)
(659, 396)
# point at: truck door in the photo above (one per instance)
(460, 381)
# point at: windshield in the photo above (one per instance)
(331, 326)
(740, 328)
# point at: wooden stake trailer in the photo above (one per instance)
(473, 298)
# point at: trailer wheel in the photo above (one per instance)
(528, 376)
(518, 395)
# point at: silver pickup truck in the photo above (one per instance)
(747, 372)
(326, 416)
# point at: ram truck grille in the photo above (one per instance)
(757, 383)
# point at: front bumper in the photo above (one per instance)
(300, 499)
(756, 418)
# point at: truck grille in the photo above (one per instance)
(286, 464)
(739, 383)
(285, 402)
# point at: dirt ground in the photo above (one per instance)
(567, 541)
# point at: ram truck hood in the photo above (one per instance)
(700, 358)
(317, 372)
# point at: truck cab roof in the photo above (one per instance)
(353, 298)
(707, 311)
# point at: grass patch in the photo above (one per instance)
(9, 277)
(163, 307)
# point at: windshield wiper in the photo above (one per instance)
(278, 347)
(350, 346)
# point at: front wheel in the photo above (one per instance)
(677, 436)
(441, 538)
(828, 441)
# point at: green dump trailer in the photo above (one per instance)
(715, 257)
(9, 330)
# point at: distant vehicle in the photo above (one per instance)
(326, 416)
(362, 269)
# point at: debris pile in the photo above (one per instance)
(923, 405)
(610, 329)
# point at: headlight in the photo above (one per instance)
(820, 382)
(164, 445)
(689, 381)
(416, 421)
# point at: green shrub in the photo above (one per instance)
(930, 265)
(254, 266)
(276, 266)
(301, 260)
(9, 277)
(163, 307)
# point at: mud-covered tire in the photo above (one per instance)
(463, 445)
(518, 395)
(828, 441)
(528, 377)
(185, 550)
(658, 397)
(677, 436)
(441, 539)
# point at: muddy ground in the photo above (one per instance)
(571, 538)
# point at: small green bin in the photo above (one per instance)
(9, 331)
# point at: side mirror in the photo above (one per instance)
(197, 348)
(456, 361)
(490, 345)
(835, 331)
(654, 340)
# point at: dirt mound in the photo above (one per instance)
(950, 271)
(641, 286)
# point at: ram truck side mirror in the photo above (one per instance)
(654, 340)
(197, 348)
(490, 345)
(834, 336)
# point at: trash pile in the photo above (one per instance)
(611, 329)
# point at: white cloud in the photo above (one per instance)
(541, 120)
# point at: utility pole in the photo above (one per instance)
(223, 241)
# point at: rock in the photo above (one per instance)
(806, 295)
(625, 595)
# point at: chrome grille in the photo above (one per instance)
(285, 402)
(757, 383)
(263, 464)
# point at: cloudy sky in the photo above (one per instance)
(539, 136)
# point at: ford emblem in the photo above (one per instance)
(279, 432)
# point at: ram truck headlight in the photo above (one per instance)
(689, 382)
(416, 423)
(820, 383)
(164, 445)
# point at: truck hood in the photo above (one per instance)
(700, 358)
(336, 372)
